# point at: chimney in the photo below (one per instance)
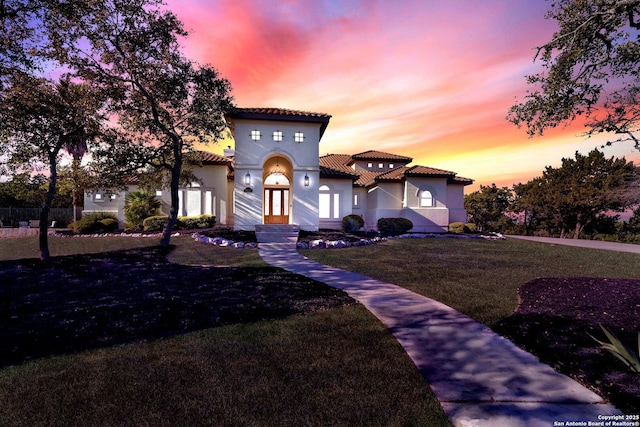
(228, 152)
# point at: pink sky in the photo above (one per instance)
(428, 79)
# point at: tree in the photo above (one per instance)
(487, 207)
(164, 102)
(41, 118)
(18, 35)
(573, 195)
(595, 54)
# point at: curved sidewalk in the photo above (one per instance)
(480, 378)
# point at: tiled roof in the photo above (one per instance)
(281, 114)
(427, 171)
(335, 160)
(207, 158)
(335, 166)
(366, 178)
(270, 111)
(380, 155)
(393, 175)
(460, 180)
(329, 172)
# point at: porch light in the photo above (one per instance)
(306, 180)
(247, 179)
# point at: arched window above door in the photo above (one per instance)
(276, 179)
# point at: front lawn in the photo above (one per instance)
(545, 298)
(179, 343)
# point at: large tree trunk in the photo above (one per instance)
(44, 213)
(76, 193)
(175, 184)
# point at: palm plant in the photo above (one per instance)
(139, 205)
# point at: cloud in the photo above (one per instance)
(432, 80)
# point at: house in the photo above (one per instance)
(275, 175)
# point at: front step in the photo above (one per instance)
(277, 233)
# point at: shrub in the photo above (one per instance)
(201, 221)
(109, 225)
(394, 226)
(95, 223)
(154, 223)
(470, 228)
(456, 227)
(139, 205)
(352, 223)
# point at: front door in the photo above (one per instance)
(276, 206)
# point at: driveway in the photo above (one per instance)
(593, 244)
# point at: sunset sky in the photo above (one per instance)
(432, 80)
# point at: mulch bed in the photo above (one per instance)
(555, 317)
(80, 302)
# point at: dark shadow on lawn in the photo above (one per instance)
(554, 320)
(80, 302)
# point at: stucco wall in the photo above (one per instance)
(250, 158)
(455, 196)
(344, 189)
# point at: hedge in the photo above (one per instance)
(352, 223)
(156, 223)
(394, 226)
(98, 222)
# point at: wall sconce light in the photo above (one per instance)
(247, 183)
(306, 180)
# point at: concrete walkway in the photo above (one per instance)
(592, 244)
(480, 378)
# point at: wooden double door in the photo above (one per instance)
(276, 205)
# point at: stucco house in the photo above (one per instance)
(275, 175)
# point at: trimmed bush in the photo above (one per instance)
(394, 226)
(352, 223)
(460, 227)
(156, 223)
(456, 227)
(200, 221)
(98, 222)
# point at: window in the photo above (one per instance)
(355, 200)
(329, 205)
(426, 199)
(369, 165)
(298, 137)
(380, 165)
(390, 165)
(158, 193)
(196, 201)
(97, 197)
(276, 179)
(277, 136)
(255, 135)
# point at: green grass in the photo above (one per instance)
(339, 367)
(27, 247)
(336, 367)
(186, 251)
(477, 277)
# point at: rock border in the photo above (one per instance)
(338, 244)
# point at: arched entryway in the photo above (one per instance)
(277, 175)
